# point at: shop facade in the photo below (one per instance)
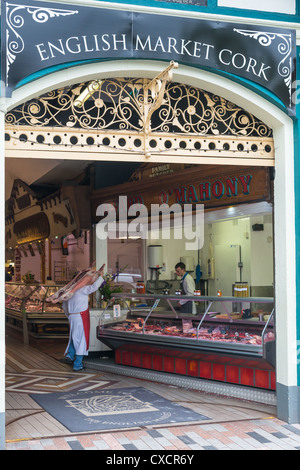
(239, 77)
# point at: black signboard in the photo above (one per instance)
(36, 36)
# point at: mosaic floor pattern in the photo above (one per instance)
(42, 382)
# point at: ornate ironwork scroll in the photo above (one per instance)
(15, 22)
(285, 66)
(121, 104)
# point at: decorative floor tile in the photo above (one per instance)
(229, 428)
(75, 445)
(294, 429)
(41, 381)
(258, 437)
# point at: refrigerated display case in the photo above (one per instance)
(26, 309)
(237, 347)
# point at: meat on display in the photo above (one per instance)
(211, 333)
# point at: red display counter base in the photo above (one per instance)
(229, 369)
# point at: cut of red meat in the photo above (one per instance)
(217, 334)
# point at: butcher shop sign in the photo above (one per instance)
(206, 191)
(37, 36)
(190, 186)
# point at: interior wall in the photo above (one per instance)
(125, 255)
(256, 250)
(262, 252)
(31, 264)
(78, 256)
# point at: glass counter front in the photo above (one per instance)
(26, 309)
(238, 333)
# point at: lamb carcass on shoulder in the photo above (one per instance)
(83, 278)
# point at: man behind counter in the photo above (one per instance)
(187, 286)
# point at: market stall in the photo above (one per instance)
(26, 309)
(209, 345)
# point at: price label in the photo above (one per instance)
(117, 311)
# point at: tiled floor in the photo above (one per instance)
(234, 424)
(245, 435)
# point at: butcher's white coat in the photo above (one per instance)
(79, 302)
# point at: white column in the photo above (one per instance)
(285, 275)
(2, 282)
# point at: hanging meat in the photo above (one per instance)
(83, 278)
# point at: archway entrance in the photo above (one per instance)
(182, 147)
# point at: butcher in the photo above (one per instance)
(187, 286)
(76, 309)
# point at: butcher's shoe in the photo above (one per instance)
(66, 360)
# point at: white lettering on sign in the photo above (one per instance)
(171, 45)
(79, 44)
(240, 61)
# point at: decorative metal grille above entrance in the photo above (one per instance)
(123, 117)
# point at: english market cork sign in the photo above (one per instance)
(36, 36)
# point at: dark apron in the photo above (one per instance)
(188, 306)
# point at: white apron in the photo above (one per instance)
(79, 333)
